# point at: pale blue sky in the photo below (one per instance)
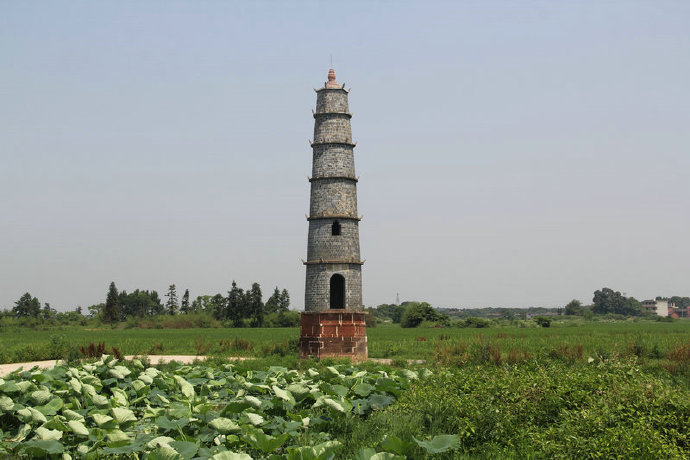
(509, 153)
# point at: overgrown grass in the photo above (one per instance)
(609, 409)
(565, 341)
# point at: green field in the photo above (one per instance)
(574, 390)
(588, 339)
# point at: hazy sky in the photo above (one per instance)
(509, 153)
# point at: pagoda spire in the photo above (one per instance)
(331, 83)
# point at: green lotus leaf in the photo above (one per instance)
(78, 427)
(22, 433)
(187, 449)
(56, 423)
(368, 453)
(75, 385)
(47, 434)
(440, 443)
(24, 386)
(43, 447)
(378, 401)
(395, 444)
(138, 385)
(9, 387)
(253, 401)
(101, 419)
(339, 390)
(119, 372)
(224, 425)
(363, 389)
(40, 397)
(283, 394)
(266, 443)
(298, 390)
(34, 415)
(117, 435)
(120, 396)
(6, 404)
(123, 415)
(254, 419)
(186, 387)
(72, 415)
(159, 441)
(52, 407)
(99, 400)
(164, 452)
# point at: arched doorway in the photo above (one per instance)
(338, 291)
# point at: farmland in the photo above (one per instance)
(593, 339)
(573, 390)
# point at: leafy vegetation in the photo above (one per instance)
(114, 408)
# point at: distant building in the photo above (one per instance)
(649, 306)
(664, 307)
(679, 312)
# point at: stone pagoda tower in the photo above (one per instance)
(333, 322)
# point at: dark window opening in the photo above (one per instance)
(335, 229)
(338, 291)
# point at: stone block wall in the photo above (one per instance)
(333, 197)
(331, 100)
(318, 286)
(324, 245)
(332, 128)
(333, 160)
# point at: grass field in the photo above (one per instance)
(582, 340)
(598, 389)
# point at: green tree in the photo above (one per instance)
(184, 305)
(156, 305)
(235, 305)
(171, 304)
(284, 302)
(273, 302)
(27, 307)
(543, 321)
(48, 313)
(139, 303)
(111, 312)
(416, 312)
(574, 307)
(393, 312)
(609, 301)
(255, 306)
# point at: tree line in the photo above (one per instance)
(239, 308)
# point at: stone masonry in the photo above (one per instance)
(333, 322)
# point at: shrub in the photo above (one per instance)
(201, 346)
(475, 322)
(415, 313)
(235, 345)
(543, 321)
(283, 348)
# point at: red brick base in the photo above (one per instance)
(333, 334)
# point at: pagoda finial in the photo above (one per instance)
(331, 83)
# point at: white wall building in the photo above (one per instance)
(662, 307)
